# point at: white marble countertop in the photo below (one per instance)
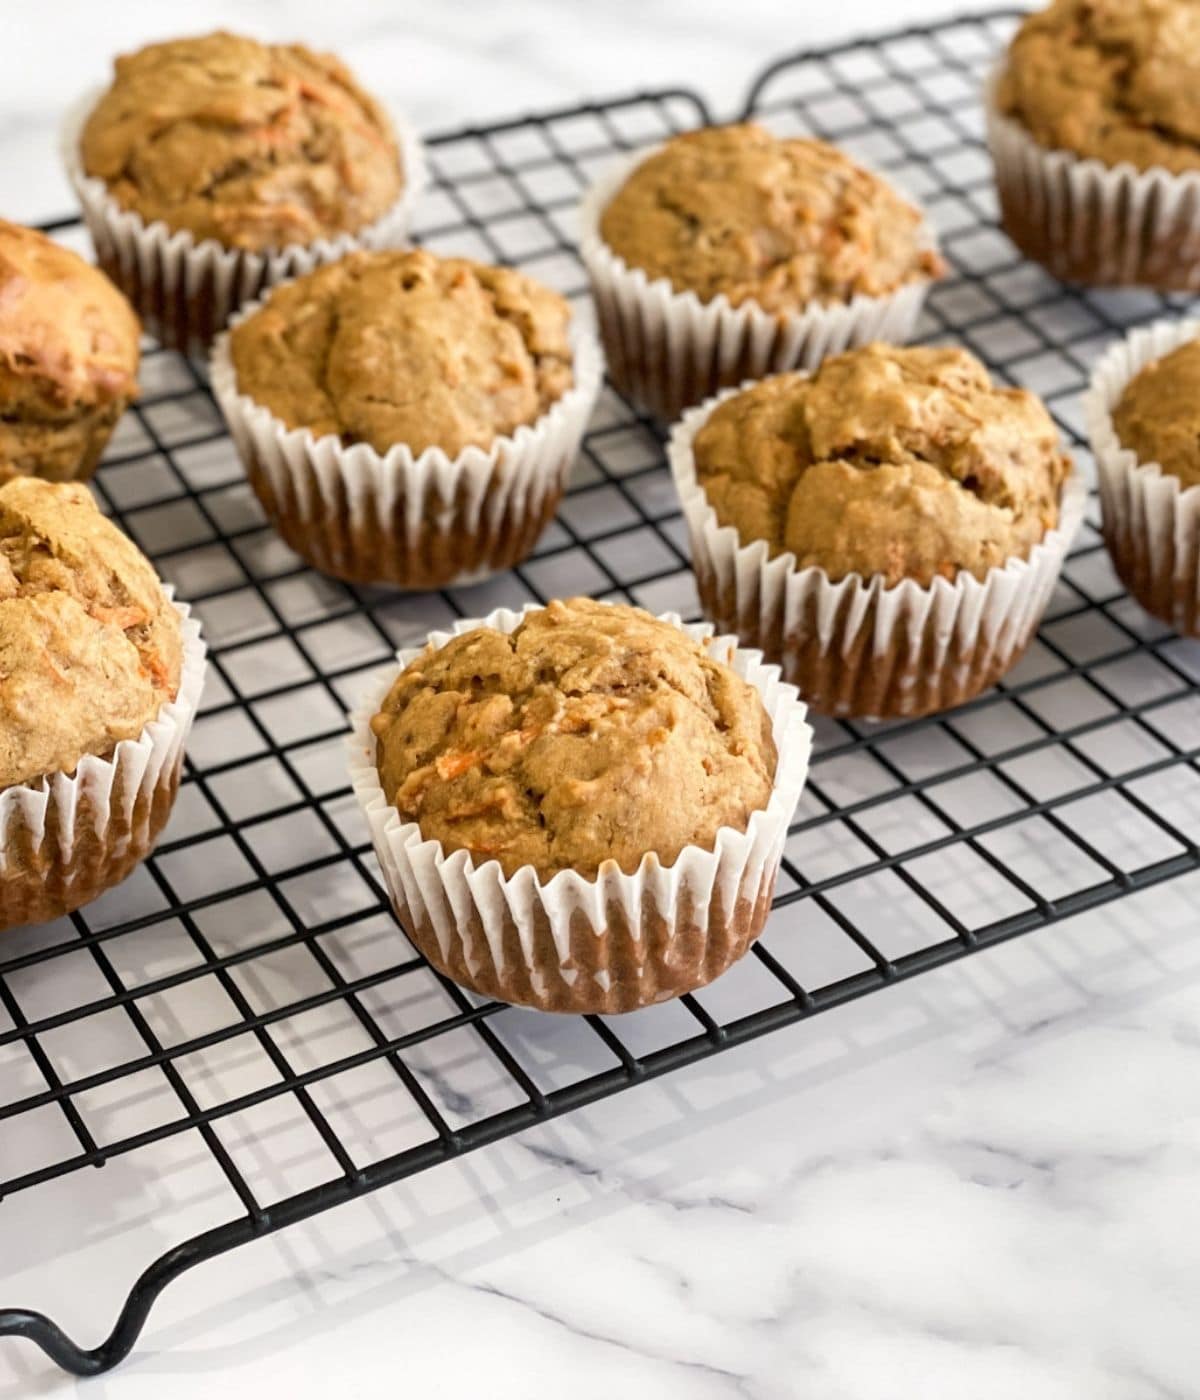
(980, 1184)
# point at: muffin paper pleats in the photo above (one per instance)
(1093, 223)
(412, 522)
(572, 944)
(68, 837)
(185, 291)
(855, 647)
(668, 349)
(1151, 521)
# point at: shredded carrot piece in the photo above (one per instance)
(457, 762)
(338, 102)
(124, 618)
(152, 663)
(488, 848)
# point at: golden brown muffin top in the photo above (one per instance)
(783, 223)
(90, 648)
(907, 463)
(405, 347)
(256, 145)
(1158, 415)
(68, 338)
(1117, 80)
(593, 732)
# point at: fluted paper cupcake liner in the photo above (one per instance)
(1151, 521)
(185, 291)
(572, 944)
(68, 837)
(1101, 225)
(412, 522)
(668, 349)
(857, 647)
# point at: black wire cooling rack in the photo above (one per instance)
(250, 973)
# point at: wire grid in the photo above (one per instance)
(248, 986)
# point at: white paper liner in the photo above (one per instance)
(1151, 521)
(668, 349)
(468, 907)
(414, 522)
(1104, 225)
(186, 291)
(108, 789)
(857, 647)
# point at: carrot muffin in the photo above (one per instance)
(1158, 415)
(628, 785)
(1105, 89)
(735, 211)
(254, 145)
(1143, 418)
(92, 652)
(415, 415)
(903, 475)
(901, 463)
(269, 158)
(744, 221)
(593, 732)
(406, 347)
(68, 358)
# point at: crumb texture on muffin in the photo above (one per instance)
(255, 145)
(90, 647)
(779, 222)
(68, 357)
(592, 732)
(1116, 80)
(405, 347)
(906, 463)
(1158, 415)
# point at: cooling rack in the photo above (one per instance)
(248, 994)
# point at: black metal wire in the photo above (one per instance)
(910, 95)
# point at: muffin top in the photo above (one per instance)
(68, 338)
(90, 648)
(405, 347)
(1158, 415)
(593, 732)
(907, 463)
(783, 223)
(256, 145)
(1117, 80)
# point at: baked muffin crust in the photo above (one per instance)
(1158, 415)
(1116, 80)
(90, 648)
(906, 463)
(783, 223)
(592, 732)
(255, 145)
(405, 347)
(68, 357)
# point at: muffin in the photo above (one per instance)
(215, 166)
(582, 807)
(1094, 128)
(100, 674)
(888, 529)
(730, 253)
(408, 419)
(68, 358)
(1143, 418)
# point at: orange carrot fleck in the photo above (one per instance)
(456, 762)
(124, 618)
